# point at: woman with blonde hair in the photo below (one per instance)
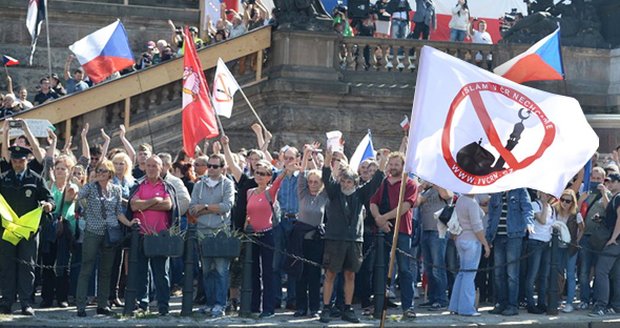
(124, 179)
(57, 243)
(566, 212)
(103, 205)
(259, 215)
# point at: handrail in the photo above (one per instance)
(141, 81)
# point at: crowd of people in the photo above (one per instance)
(306, 202)
(229, 25)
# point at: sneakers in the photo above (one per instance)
(598, 312)
(583, 306)
(325, 314)
(349, 315)
(335, 312)
(568, 308)
(437, 307)
(475, 314)
(217, 311)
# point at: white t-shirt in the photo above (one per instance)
(481, 37)
(542, 232)
(565, 218)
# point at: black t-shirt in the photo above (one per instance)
(137, 173)
(611, 212)
(43, 97)
(238, 213)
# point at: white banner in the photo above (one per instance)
(224, 88)
(475, 132)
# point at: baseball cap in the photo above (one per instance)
(150, 44)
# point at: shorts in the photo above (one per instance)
(341, 255)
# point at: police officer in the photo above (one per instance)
(23, 190)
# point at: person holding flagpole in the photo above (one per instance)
(383, 206)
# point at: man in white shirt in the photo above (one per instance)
(481, 36)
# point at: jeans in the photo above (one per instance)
(569, 263)
(262, 269)
(308, 287)
(507, 250)
(604, 266)
(159, 269)
(538, 265)
(399, 29)
(463, 296)
(457, 35)
(434, 253)
(93, 246)
(586, 262)
(215, 274)
(281, 234)
(405, 275)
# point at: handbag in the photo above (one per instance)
(599, 237)
(221, 245)
(113, 235)
(275, 209)
(163, 244)
(446, 213)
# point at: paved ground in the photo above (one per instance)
(67, 318)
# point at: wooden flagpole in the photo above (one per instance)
(252, 108)
(395, 228)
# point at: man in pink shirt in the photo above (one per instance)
(152, 201)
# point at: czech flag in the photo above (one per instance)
(363, 151)
(543, 61)
(9, 61)
(104, 52)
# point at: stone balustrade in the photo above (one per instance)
(398, 55)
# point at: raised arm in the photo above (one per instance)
(5, 139)
(235, 170)
(67, 70)
(9, 83)
(53, 143)
(37, 151)
(85, 146)
(128, 147)
(106, 144)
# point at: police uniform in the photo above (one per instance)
(23, 193)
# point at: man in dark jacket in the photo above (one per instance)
(344, 231)
(23, 191)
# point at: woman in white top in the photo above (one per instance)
(459, 24)
(539, 253)
(566, 211)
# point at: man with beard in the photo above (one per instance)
(383, 206)
(344, 231)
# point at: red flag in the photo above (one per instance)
(199, 120)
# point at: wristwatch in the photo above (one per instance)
(207, 207)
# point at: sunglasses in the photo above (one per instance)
(101, 171)
(262, 174)
(567, 201)
(213, 166)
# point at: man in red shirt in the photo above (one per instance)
(152, 203)
(383, 206)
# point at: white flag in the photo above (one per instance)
(224, 88)
(475, 132)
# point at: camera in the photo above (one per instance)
(15, 124)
